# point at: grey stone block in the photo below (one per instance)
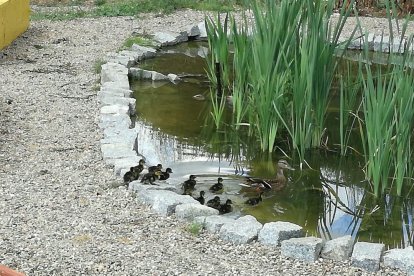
(144, 52)
(115, 151)
(170, 38)
(138, 187)
(115, 109)
(213, 224)
(401, 259)
(107, 89)
(243, 230)
(338, 249)
(113, 100)
(200, 220)
(203, 31)
(113, 120)
(188, 211)
(158, 76)
(193, 31)
(173, 78)
(367, 255)
(115, 85)
(273, 233)
(305, 249)
(124, 135)
(140, 74)
(114, 72)
(164, 202)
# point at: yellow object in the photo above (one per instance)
(14, 20)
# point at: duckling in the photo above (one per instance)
(201, 198)
(218, 186)
(140, 167)
(214, 203)
(151, 177)
(280, 180)
(226, 208)
(255, 200)
(129, 176)
(189, 185)
(155, 168)
(165, 175)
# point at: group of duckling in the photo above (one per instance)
(261, 185)
(154, 173)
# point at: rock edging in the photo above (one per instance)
(118, 150)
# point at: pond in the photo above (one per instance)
(329, 199)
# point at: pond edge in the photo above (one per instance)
(118, 148)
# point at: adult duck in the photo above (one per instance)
(278, 181)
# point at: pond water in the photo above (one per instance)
(328, 200)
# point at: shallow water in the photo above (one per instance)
(329, 200)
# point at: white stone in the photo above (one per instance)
(213, 224)
(338, 249)
(243, 230)
(173, 78)
(367, 255)
(193, 31)
(401, 259)
(273, 233)
(115, 109)
(203, 31)
(305, 249)
(170, 38)
(189, 211)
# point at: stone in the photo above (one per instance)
(305, 249)
(200, 220)
(273, 233)
(140, 74)
(115, 109)
(107, 89)
(355, 44)
(138, 187)
(170, 38)
(164, 202)
(112, 136)
(193, 31)
(188, 211)
(111, 100)
(173, 78)
(367, 255)
(213, 224)
(144, 52)
(114, 72)
(243, 230)
(382, 44)
(158, 76)
(114, 85)
(114, 151)
(401, 259)
(203, 31)
(112, 120)
(338, 249)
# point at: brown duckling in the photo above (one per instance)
(140, 167)
(214, 203)
(189, 185)
(201, 198)
(155, 168)
(130, 176)
(254, 200)
(151, 177)
(226, 208)
(165, 175)
(218, 186)
(277, 182)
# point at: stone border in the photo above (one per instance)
(118, 150)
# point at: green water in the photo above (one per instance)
(329, 200)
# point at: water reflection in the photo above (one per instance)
(329, 199)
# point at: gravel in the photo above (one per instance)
(62, 210)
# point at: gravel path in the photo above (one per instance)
(62, 213)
